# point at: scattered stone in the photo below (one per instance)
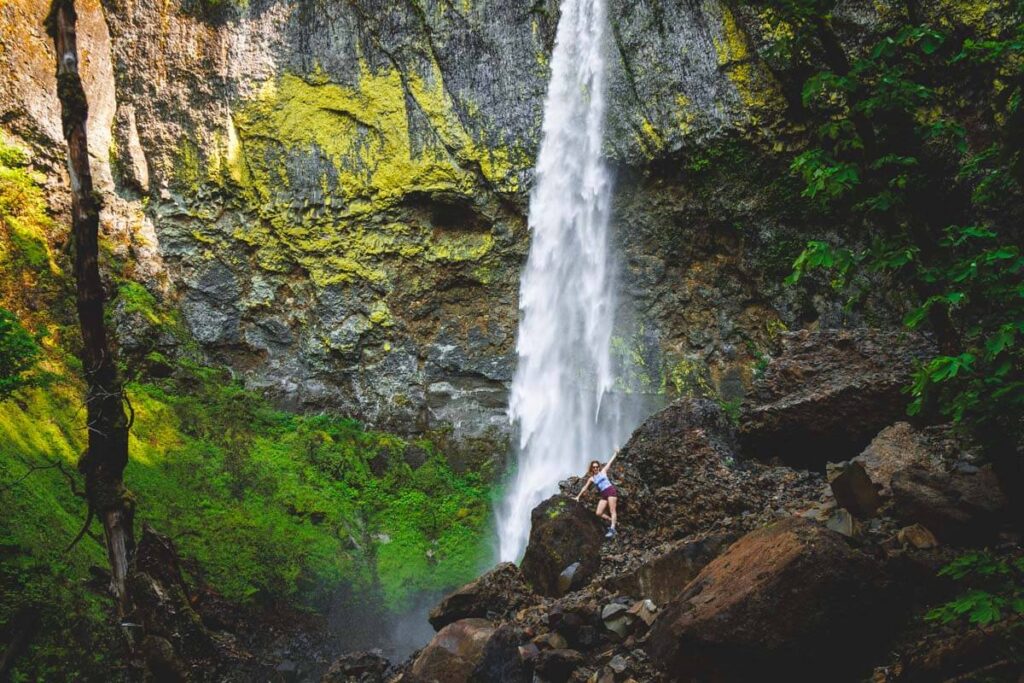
(784, 601)
(827, 394)
(961, 509)
(563, 532)
(917, 536)
(565, 579)
(842, 522)
(528, 652)
(551, 641)
(617, 619)
(853, 489)
(618, 664)
(645, 610)
(557, 666)
(358, 667)
(498, 593)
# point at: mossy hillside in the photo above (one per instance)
(28, 267)
(265, 506)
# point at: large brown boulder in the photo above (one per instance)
(793, 601)
(665, 575)
(494, 595)
(454, 653)
(962, 508)
(828, 393)
(562, 533)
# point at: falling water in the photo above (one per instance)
(559, 401)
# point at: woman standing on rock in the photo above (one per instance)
(598, 476)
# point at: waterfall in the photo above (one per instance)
(559, 403)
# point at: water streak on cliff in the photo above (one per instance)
(567, 304)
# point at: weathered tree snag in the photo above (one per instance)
(107, 454)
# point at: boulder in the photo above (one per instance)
(828, 393)
(358, 667)
(682, 471)
(664, 576)
(959, 508)
(562, 532)
(894, 448)
(854, 489)
(502, 659)
(785, 602)
(496, 594)
(556, 666)
(454, 653)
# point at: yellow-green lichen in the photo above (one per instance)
(757, 89)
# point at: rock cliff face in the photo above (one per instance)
(333, 194)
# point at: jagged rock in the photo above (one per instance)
(617, 619)
(562, 532)
(854, 489)
(454, 652)
(841, 521)
(551, 641)
(918, 536)
(567, 578)
(828, 393)
(682, 473)
(161, 597)
(894, 448)
(499, 592)
(502, 659)
(358, 667)
(786, 601)
(556, 666)
(662, 577)
(962, 509)
(645, 610)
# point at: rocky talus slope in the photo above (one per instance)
(731, 568)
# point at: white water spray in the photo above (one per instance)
(558, 402)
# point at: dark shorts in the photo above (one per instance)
(609, 492)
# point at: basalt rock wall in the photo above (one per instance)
(330, 197)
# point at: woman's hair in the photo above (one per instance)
(590, 468)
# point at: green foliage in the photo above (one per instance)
(995, 589)
(933, 185)
(265, 506)
(19, 353)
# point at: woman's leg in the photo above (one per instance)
(612, 503)
(601, 505)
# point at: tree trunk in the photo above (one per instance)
(107, 454)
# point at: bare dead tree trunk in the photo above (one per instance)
(107, 454)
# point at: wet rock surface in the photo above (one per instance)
(827, 394)
(563, 533)
(965, 508)
(782, 601)
(496, 594)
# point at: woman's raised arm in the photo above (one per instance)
(614, 455)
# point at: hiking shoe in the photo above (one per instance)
(611, 533)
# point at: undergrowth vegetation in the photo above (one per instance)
(266, 507)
